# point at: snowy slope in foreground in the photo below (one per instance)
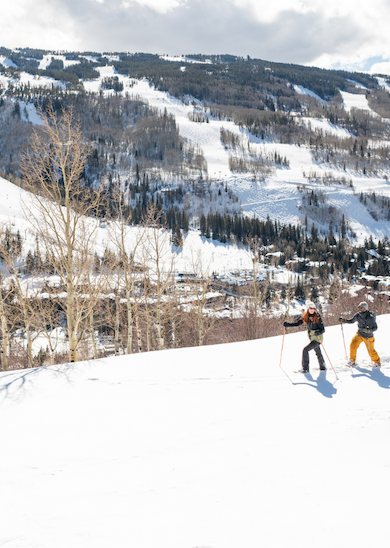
(214, 447)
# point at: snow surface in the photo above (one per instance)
(304, 91)
(357, 84)
(182, 59)
(6, 62)
(29, 114)
(26, 78)
(354, 100)
(383, 83)
(46, 60)
(324, 126)
(213, 446)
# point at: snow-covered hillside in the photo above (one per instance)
(278, 196)
(216, 257)
(203, 447)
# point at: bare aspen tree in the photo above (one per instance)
(95, 288)
(127, 241)
(202, 286)
(93, 338)
(58, 209)
(159, 262)
(253, 245)
(47, 307)
(6, 292)
(146, 298)
(9, 313)
(26, 294)
(26, 290)
(113, 277)
(4, 332)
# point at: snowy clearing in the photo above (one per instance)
(354, 100)
(6, 62)
(304, 91)
(324, 126)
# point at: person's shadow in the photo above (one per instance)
(324, 387)
(375, 374)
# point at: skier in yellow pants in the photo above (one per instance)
(366, 326)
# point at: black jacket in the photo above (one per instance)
(314, 329)
(366, 323)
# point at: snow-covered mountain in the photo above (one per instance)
(211, 446)
(279, 196)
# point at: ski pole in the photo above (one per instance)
(329, 361)
(345, 348)
(281, 353)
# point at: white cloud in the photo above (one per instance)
(40, 24)
(268, 12)
(381, 68)
(160, 6)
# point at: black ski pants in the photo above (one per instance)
(316, 346)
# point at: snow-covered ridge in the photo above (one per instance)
(181, 59)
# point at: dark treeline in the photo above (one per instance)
(299, 247)
(219, 79)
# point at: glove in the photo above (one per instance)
(341, 320)
(318, 332)
(286, 324)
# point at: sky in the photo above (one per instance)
(351, 34)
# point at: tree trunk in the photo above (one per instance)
(4, 329)
(29, 346)
(72, 335)
(93, 340)
(130, 322)
(117, 327)
(139, 340)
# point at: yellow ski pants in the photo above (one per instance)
(356, 342)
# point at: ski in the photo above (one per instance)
(364, 365)
(309, 372)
